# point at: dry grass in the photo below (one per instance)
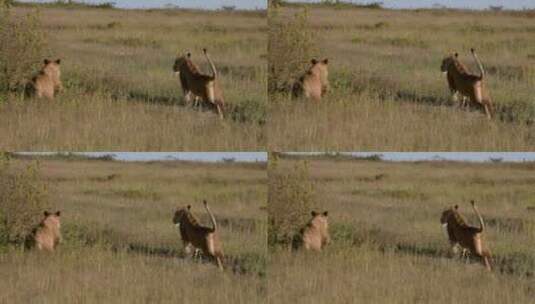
(121, 246)
(121, 93)
(388, 246)
(389, 94)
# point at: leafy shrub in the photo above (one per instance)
(292, 44)
(22, 48)
(23, 197)
(290, 200)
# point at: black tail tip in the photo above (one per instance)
(472, 50)
(204, 202)
(204, 50)
(472, 202)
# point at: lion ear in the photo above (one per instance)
(46, 213)
(313, 61)
(46, 61)
(188, 206)
(58, 213)
(314, 213)
(456, 207)
(58, 61)
(326, 61)
(325, 213)
(188, 55)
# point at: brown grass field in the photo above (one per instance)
(388, 93)
(121, 93)
(120, 245)
(388, 246)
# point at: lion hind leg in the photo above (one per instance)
(489, 111)
(484, 255)
(210, 95)
(219, 106)
(219, 260)
(487, 259)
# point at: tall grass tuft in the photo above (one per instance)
(23, 197)
(291, 197)
(23, 46)
(292, 43)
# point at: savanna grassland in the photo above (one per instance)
(387, 244)
(120, 245)
(387, 90)
(120, 90)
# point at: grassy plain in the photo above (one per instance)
(388, 246)
(388, 93)
(121, 93)
(120, 245)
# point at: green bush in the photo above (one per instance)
(290, 200)
(22, 48)
(291, 46)
(23, 198)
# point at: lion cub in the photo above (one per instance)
(315, 235)
(467, 237)
(47, 235)
(314, 84)
(203, 238)
(47, 83)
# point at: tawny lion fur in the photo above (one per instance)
(204, 238)
(197, 85)
(315, 235)
(314, 84)
(451, 82)
(47, 235)
(465, 236)
(466, 84)
(47, 83)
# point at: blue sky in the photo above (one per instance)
(190, 156)
(472, 4)
(205, 4)
(262, 156)
(454, 156)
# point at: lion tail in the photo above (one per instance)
(481, 223)
(479, 65)
(212, 65)
(212, 218)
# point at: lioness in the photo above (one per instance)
(467, 237)
(315, 235)
(47, 235)
(314, 84)
(47, 83)
(203, 238)
(197, 85)
(467, 84)
(451, 82)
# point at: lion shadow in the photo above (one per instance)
(154, 251)
(419, 250)
(155, 99)
(515, 263)
(247, 263)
